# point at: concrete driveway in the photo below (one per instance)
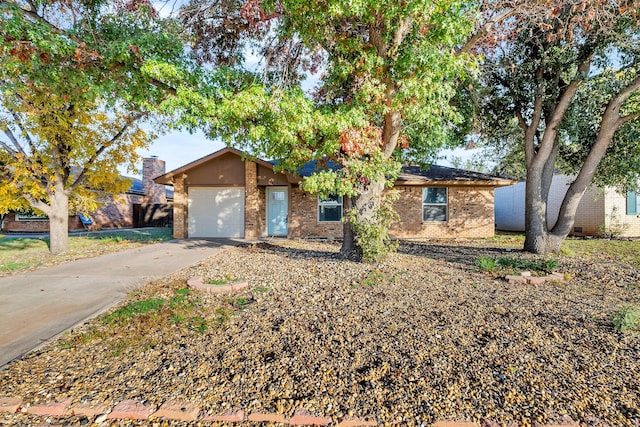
(37, 306)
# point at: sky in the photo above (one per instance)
(177, 149)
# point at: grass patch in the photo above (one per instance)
(34, 252)
(222, 315)
(627, 251)
(540, 265)
(374, 278)
(224, 281)
(240, 303)
(217, 282)
(135, 324)
(515, 265)
(133, 309)
(15, 266)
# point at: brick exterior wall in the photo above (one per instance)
(114, 213)
(117, 211)
(303, 220)
(36, 225)
(470, 208)
(153, 167)
(590, 214)
(179, 208)
(251, 200)
(470, 214)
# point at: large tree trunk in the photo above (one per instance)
(540, 240)
(538, 185)
(535, 214)
(365, 206)
(59, 222)
(350, 249)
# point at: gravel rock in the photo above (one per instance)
(423, 336)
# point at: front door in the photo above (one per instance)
(277, 211)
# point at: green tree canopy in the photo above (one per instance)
(388, 73)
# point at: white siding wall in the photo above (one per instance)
(509, 207)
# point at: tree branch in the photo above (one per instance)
(80, 178)
(401, 32)
(609, 123)
(8, 149)
(375, 37)
(27, 137)
(484, 31)
(627, 118)
(530, 153)
(556, 116)
(15, 143)
(38, 204)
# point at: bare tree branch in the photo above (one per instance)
(14, 141)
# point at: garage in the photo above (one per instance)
(216, 212)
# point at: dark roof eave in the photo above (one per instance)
(422, 182)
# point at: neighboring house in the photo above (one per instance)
(226, 194)
(601, 211)
(118, 211)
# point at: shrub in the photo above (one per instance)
(546, 265)
(626, 318)
(486, 263)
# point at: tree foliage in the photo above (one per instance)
(76, 80)
(560, 91)
(388, 73)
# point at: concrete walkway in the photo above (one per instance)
(37, 306)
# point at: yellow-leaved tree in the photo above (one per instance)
(75, 88)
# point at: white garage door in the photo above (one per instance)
(216, 212)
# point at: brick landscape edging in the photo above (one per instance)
(526, 278)
(182, 410)
(197, 283)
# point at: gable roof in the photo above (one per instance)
(410, 175)
(138, 189)
(167, 178)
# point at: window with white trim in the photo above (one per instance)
(434, 204)
(330, 208)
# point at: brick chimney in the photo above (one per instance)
(153, 167)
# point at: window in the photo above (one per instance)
(434, 204)
(632, 203)
(31, 217)
(330, 209)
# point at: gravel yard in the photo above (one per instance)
(424, 336)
